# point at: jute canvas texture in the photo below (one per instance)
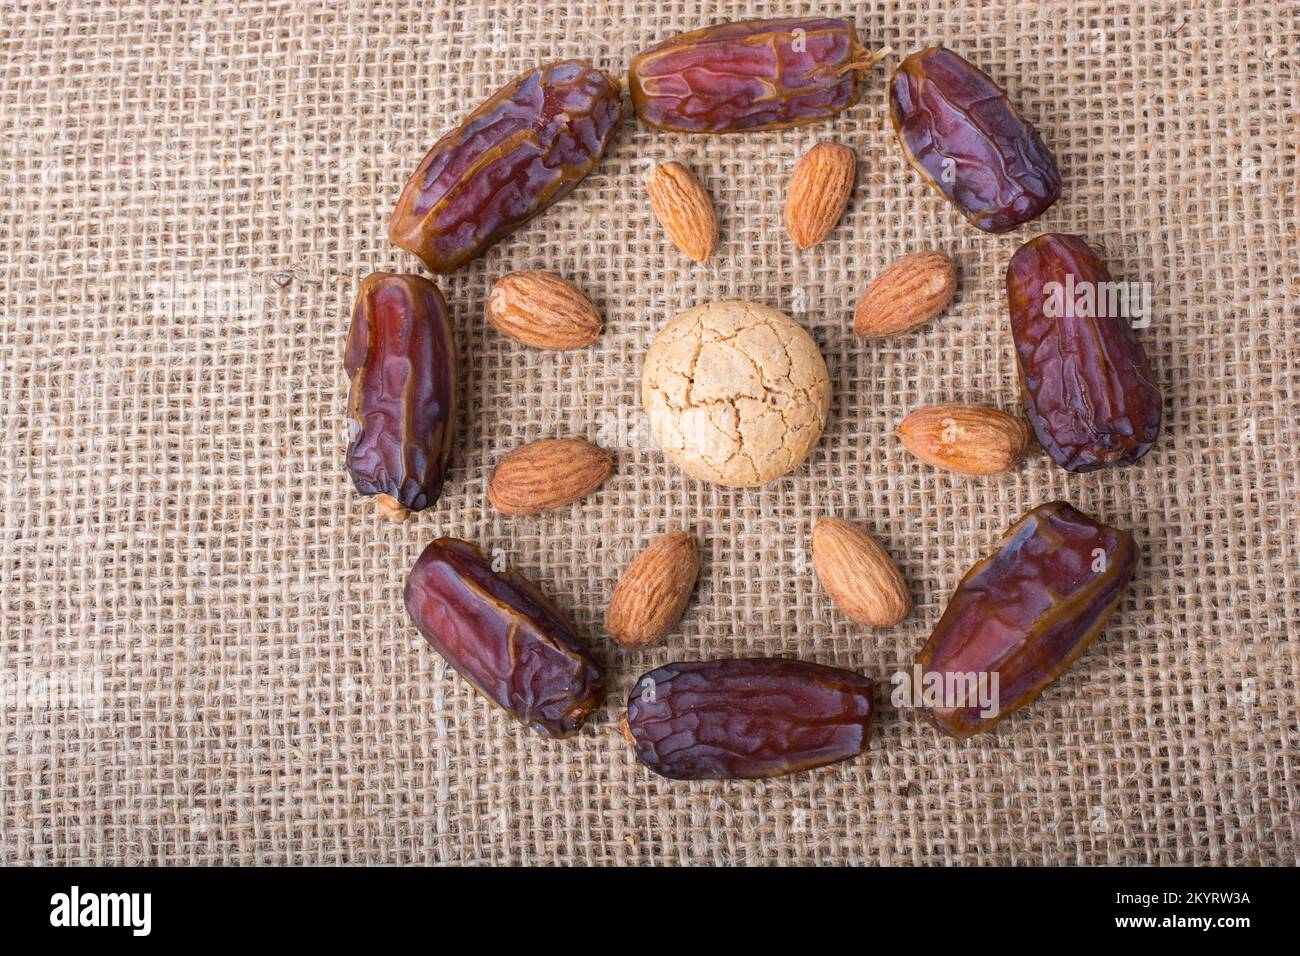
(202, 640)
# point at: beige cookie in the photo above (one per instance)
(736, 393)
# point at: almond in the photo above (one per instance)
(683, 207)
(649, 599)
(967, 439)
(858, 573)
(542, 310)
(819, 193)
(913, 290)
(547, 474)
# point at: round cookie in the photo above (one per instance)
(736, 393)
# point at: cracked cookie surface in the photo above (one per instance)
(736, 393)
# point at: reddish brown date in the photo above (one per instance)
(525, 148)
(746, 718)
(751, 75)
(505, 637)
(1023, 614)
(1088, 389)
(401, 360)
(961, 133)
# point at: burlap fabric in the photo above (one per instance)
(205, 655)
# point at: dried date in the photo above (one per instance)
(1088, 389)
(961, 133)
(523, 149)
(505, 637)
(747, 718)
(749, 75)
(1024, 614)
(401, 360)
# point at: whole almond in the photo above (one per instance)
(542, 310)
(547, 474)
(683, 207)
(650, 597)
(819, 193)
(912, 290)
(858, 573)
(967, 439)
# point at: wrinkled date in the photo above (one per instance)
(1023, 614)
(746, 718)
(961, 133)
(750, 75)
(505, 637)
(1088, 388)
(401, 360)
(525, 148)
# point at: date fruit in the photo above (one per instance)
(401, 360)
(747, 718)
(525, 148)
(1089, 392)
(961, 133)
(1024, 613)
(749, 75)
(505, 637)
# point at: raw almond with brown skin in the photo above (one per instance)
(683, 207)
(650, 597)
(819, 193)
(858, 573)
(548, 474)
(542, 310)
(967, 439)
(913, 290)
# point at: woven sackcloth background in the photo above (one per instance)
(203, 649)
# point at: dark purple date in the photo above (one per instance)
(401, 360)
(1023, 614)
(1088, 389)
(746, 718)
(961, 133)
(525, 148)
(749, 75)
(505, 637)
